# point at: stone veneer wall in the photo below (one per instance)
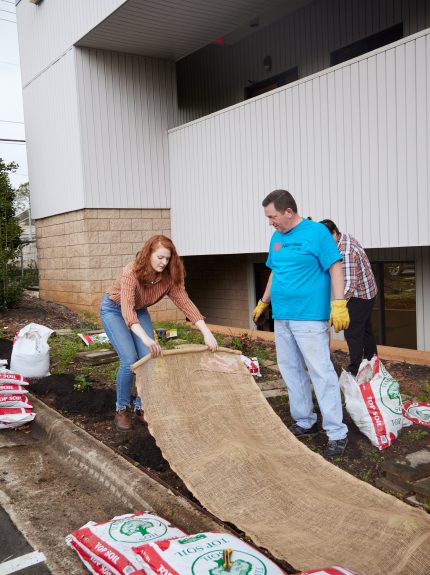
(80, 253)
(218, 285)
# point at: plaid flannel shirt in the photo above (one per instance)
(359, 279)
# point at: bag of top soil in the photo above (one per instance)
(333, 570)
(7, 376)
(12, 388)
(11, 417)
(110, 544)
(203, 554)
(373, 402)
(418, 413)
(30, 352)
(15, 400)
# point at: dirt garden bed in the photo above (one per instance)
(86, 395)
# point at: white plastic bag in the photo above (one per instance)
(373, 401)
(30, 352)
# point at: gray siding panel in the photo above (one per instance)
(344, 142)
(53, 141)
(126, 106)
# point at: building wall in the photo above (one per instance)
(422, 271)
(80, 253)
(216, 76)
(54, 149)
(48, 30)
(219, 286)
(126, 105)
(351, 143)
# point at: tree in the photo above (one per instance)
(11, 286)
(22, 198)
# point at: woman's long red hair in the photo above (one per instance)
(142, 264)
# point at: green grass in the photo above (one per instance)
(424, 396)
(417, 434)
(63, 351)
(366, 475)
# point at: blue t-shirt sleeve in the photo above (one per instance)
(328, 252)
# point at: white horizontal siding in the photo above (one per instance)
(46, 31)
(216, 76)
(126, 105)
(53, 141)
(344, 142)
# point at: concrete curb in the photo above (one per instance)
(75, 447)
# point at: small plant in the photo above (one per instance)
(424, 396)
(366, 475)
(82, 383)
(417, 434)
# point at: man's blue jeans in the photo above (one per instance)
(301, 344)
(128, 346)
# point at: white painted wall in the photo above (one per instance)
(47, 30)
(53, 140)
(126, 105)
(351, 143)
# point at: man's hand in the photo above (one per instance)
(339, 317)
(259, 309)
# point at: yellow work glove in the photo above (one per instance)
(259, 309)
(339, 316)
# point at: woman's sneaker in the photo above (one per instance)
(300, 431)
(335, 448)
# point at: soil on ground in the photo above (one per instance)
(93, 409)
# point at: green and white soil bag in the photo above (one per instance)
(110, 543)
(30, 352)
(373, 401)
(416, 412)
(202, 554)
(11, 417)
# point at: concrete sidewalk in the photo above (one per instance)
(56, 477)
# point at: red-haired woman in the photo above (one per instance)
(156, 271)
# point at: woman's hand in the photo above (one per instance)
(210, 341)
(154, 346)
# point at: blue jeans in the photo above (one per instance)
(128, 346)
(306, 343)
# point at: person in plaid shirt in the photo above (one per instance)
(360, 292)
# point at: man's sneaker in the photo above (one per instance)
(335, 448)
(300, 431)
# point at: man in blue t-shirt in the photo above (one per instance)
(306, 266)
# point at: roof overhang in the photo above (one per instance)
(173, 29)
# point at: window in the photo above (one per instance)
(367, 44)
(258, 88)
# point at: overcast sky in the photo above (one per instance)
(11, 113)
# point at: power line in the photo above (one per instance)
(8, 1)
(11, 122)
(11, 21)
(10, 63)
(10, 141)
